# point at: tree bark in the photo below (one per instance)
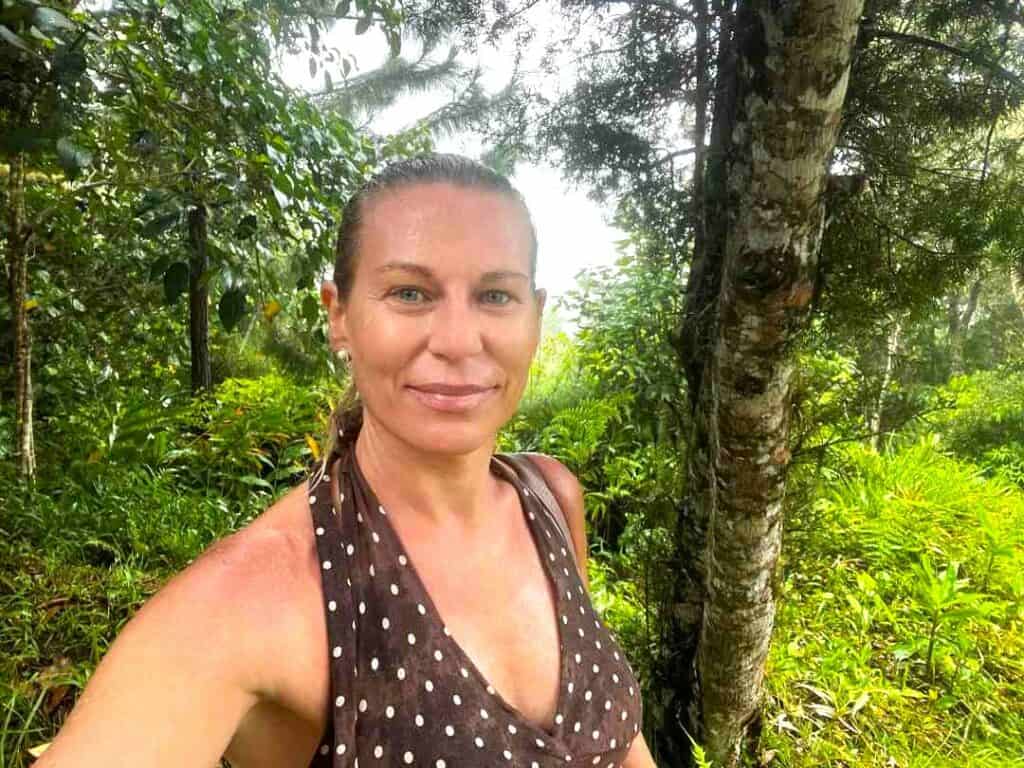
(198, 300)
(959, 321)
(892, 348)
(17, 286)
(791, 77)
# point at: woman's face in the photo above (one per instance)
(441, 323)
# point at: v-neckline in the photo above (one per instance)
(563, 655)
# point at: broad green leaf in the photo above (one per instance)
(12, 39)
(175, 281)
(49, 18)
(231, 307)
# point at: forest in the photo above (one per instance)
(795, 402)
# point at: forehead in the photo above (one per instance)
(445, 226)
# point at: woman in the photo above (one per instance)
(413, 602)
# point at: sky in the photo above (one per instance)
(573, 232)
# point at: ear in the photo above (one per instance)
(337, 317)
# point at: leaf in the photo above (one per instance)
(175, 281)
(282, 199)
(246, 227)
(12, 39)
(50, 18)
(160, 224)
(362, 25)
(312, 66)
(253, 480)
(231, 307)
(314, 446)
(271, 308)
(343, 8)
(72, 158)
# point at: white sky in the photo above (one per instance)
(571, 229)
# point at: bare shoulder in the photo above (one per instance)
(568, 491)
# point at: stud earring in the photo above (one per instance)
(342, 355)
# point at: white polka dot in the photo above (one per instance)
(540, 743)
(483, 714)
(580, 630)
(511, 728)
(407, 757)
(534, 764)
(595, 669)
(362, 607)
(631, 690)
(403, 560)
(332, 606)
(559, 718)
(362, 705)
(565, 571)
(449, 731)
(359, 516)
(596, 735)
(612, 743)
(598, 644)
(479, 742)
(624, 715)
(576, 726)
(440, 763)
(615, 678)
(490, 689)
(312, 499)
(394, 589)
(596, 760)
(319, 530)
(418, 720)
(551, 555)
(381, 509)
(526, 491)
(340, 701)
(429, 685)
(389, 712)
(372, 571)
(565, 620)
(337, 651)
(421, 609)
(385, 622)
(457, 699)
(506, 754)
(340, 749)
(588, 696)
(636, 727)
(446, 631)
(327, 565)
(568, 758)
(463, 672)
(411, 638)
(324, 749)
(378, 751)
(374, 663)
(438, 655)
(581, 610)
(532, 516)
(570, 687)
(375, 537)
(401, 673)
(564, 553)
(578, 658)
(607, 704)
(616, 655)
(349, 550)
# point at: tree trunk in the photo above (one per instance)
(198, 300)
(17, 286)
(793, 63)
(959, 322)
(1017, 283)
(892, 348)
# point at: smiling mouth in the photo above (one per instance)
(451, 398)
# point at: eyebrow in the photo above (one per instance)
(426, 272)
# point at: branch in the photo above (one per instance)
(925, 42)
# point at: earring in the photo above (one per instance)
(342, 355)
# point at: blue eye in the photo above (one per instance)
(408, 294)
(497, 297)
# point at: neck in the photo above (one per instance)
(435, 489)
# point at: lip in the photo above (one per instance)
(452, 398)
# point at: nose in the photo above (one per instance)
(455, 329)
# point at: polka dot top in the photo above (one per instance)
(402, 690)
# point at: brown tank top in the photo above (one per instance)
(402, 690)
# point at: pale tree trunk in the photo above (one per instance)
(959, 320)
(17, 286)
(793, 63)
(892, 350)
(198, 300)
(1017, 283)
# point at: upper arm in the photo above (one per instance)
(569, 494)
(179, 677)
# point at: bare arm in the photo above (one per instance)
(179, 677)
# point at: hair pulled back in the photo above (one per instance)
(347, 416)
